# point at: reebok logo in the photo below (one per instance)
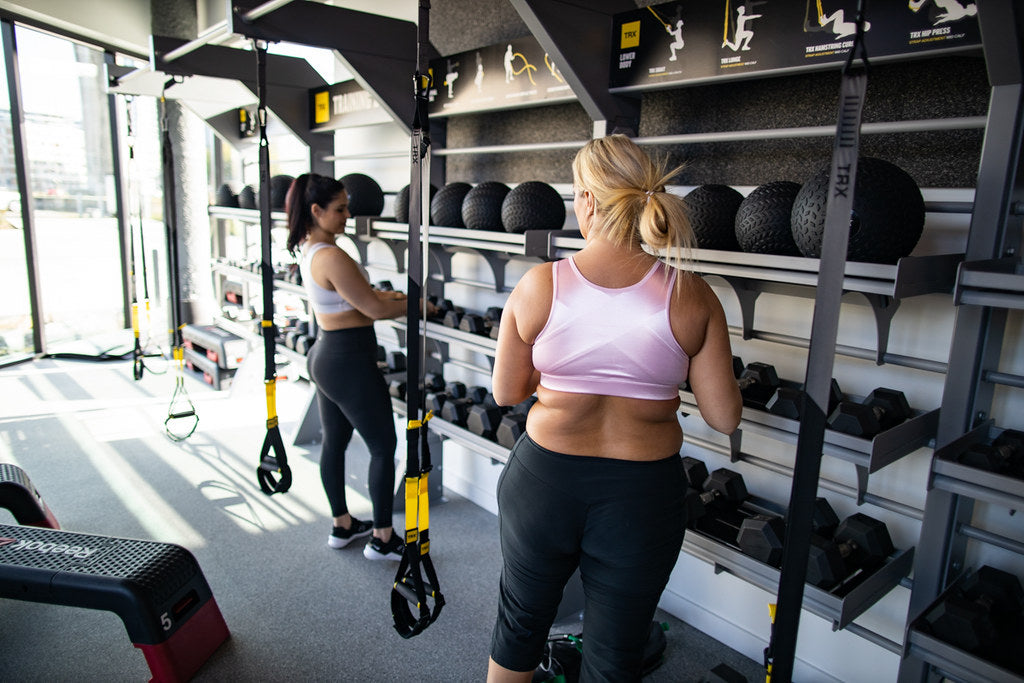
(75, 551)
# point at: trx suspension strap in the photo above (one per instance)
(416, 581)
(135, 220)
(181, 407)
(781, 650)
(273, 474)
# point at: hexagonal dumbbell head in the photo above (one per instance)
(725, 487)
(893, 404)
(866, 538)
(455, 389)
(511, 428)
(786, 401)
(473, 323)
(962, 623)
(1001, 588)
(483, 420)
(824, 519)
(761, 537)
(694, 506)
(695, 472)
(825, 564)
(761, 374)
(452, 319)
(856, 419)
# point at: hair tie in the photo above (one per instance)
(649, 193)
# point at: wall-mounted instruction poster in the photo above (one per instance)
(510, 74)
(699, 40)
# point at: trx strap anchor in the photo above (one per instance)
(273, 473)
(780, 654)
(416, 583)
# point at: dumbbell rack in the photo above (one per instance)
(882, 285)
(989, 283)
(867, 455)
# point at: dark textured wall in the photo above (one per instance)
(920, 89)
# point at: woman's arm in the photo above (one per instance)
(711, 375)
(526, 311)
(344, 276)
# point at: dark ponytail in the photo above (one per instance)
(305, 191)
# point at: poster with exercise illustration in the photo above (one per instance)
(695, 41)
(509, 74)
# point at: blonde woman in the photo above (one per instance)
(604, 338)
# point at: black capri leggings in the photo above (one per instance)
(620, 521)
(351, 394)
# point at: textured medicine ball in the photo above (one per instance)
(247, 198)
(887, 218)
(532, 205)
(712, 212)
(762, 221)
(446, 206)
(226, 196)
(481, 209)
(279, 185)
(402, 203)
(365, 198)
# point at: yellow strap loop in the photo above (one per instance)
(416, 424)
(271, 386)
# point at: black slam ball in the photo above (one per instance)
(481, 208)
(279, 185)
(402, 203)
(712, 212)
(887, 217)
(446, 206)
(247, 198)
(365, 198)
(226, 196)
(762, 221)
(533, 205)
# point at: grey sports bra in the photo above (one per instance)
(321, 299)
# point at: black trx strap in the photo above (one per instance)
(181, 407)
(273, 474)
(135, 220)
(416, 581)
(781, 650)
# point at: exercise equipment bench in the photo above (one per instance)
(157, 589)
(18, 495)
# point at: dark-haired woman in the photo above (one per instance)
(350, 390)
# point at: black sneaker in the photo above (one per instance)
(377, 549)
(340, 538)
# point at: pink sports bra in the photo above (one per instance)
(321, 299)
(614, 342)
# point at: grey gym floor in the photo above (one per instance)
(92, 441)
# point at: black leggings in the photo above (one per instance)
(351, 394)
(621, 522)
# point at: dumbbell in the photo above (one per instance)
(444, 306)
(385, 286)
(860, 542)
(758, 382)
(472, 323)
(513, 423)
(452, 318)
(976, 615)
(723, 488)
(484, 418)
(761, 536)
(433, 382)
(396, 361)
(786, 401)
(304, 343)
(455, 389)
(492, 319)
(397, 384)
(456, 410)
(881, 410)
(1005, 455)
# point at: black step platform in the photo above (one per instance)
(18, 495)
(157, 589)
